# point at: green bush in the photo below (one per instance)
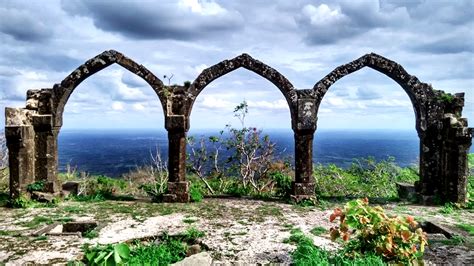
(283, 184)
(470, 182)
(36, 186)
(368, 230)
(306, 253)
(20, 202)
(196, 192)
(117, 254)
(365, 177)
(98, 188)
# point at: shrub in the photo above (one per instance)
(195, 192)
(20, 202)
(283, 184)
(366, 230)
(365, 177)
(107, 255)
(35, 186)
(97, 188)
(306, 253)
(151, 179)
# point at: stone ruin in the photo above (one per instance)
(445, 138)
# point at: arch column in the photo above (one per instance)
(304, 126)
(46, 152)
(178, 187)
(430, 166)
(20, 137)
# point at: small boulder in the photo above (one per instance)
(71, 187)
(42, 196)
(406, 191)
(193, 249)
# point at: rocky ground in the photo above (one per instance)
(241, 231)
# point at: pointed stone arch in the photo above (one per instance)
(437, 115)
(419, 93)
(248, 62)
(63, 90)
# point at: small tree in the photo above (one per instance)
(252, 153)
(198, 160)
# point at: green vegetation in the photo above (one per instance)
(318, 230)
(168, 251)
(365, 178)
(36, 186)
(306, 253)
(469, 228)
(368, 230)
(446, 97)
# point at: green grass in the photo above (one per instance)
(189, 220)
(318, 230)
(170, 251)
(91, 234)
(306, 253)
(467, 227)
(38, 220)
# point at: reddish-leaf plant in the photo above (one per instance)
(368, 230)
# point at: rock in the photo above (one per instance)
(201, 259)
(71, 187)
(435, 228)
(406, 191)
(42, 196)
(193, 249)
(79, 226)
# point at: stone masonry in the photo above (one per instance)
(445, 138)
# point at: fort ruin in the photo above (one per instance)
(445, 138)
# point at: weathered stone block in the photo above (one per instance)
(71, 187)
(177, 192)
(303, 189)
(175, 122)
(406, 191)
(79, 226)
(42, 196)
(306, 114)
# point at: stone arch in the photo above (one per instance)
(444, 135)
(420, 93)
(246, 61)
(63, 90)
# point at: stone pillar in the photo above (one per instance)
(21, 152)
(178, 187)
(430, 168)
(46, 140)
(303, 187)
(455, 169)
(304, 127)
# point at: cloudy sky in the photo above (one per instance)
(41, 42)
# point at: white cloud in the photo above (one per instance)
(212, 102)
(139, 106)
(118, 106)
(323, 15)
(266, 105)
(205, 8)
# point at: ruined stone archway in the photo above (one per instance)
(184, 98)
(437, 115)
(32, 131)
(445, 139)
